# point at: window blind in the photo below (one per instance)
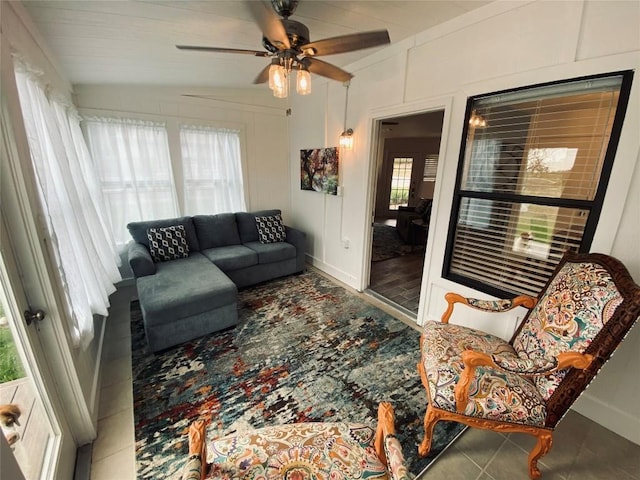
(532, 167)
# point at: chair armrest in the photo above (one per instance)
(387, 445)
(196, 466)
(519, 366)
(140, 260)
(486, 305)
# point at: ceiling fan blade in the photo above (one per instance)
(326, 69)
(263, 76)
(270, 24)
(257, 53)
(347, 43)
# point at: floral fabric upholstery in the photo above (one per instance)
(192, 469)
(525, 366)
(395, 459)
(491, 305)
(581, 299)
(493, 394)
(300, 451)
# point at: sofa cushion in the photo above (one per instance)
(167, 243)
(231, 257)
(216, 230)
(270, 229)
(272, 252)
(183, 288)
(138, 230)
(247, 224)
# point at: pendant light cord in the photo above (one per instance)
(346, 103)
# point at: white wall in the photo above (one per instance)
(256, 113)
(503, 45)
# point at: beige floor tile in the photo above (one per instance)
(117, 348)
(116, 370)
(119, 466)
(118, 330)
(114, 434)
(115, 398)
(479, 445)
(511, 463)
(452, 465)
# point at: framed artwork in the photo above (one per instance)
(319, 170)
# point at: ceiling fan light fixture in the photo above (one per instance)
(303, 81)
(281, 82)
(273, 72)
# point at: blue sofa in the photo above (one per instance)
(193, 291)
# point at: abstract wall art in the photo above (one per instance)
(319, 170)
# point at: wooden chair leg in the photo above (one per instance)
(430, 420)
(541, 448)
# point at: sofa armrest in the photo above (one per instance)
(140, 260)
(298, 239)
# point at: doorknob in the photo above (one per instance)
(30, 316)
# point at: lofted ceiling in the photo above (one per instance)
(133, 42)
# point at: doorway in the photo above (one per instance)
(405, 179)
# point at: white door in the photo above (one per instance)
(37, 438)
(46, 448)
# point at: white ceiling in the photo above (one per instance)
(133, 42)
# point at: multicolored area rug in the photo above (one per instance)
(305, 350)
(387, 243)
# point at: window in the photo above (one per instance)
(133, 161)
(531, 180)
(212, 170)
(400, 182)
(430, 168)
(137, 172)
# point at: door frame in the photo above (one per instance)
(376, 147)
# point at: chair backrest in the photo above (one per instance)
(588, 306)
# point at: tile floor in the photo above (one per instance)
(399, 280)
(582, 449)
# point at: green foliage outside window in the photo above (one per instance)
(10, 364)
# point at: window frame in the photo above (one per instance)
(594, 207)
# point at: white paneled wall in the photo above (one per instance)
(501, 46)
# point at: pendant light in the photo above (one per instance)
(346, 137)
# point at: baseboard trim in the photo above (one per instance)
(610, 417)
(335, 272)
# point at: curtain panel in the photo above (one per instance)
(134, 166)
(212, 170)
(82, 243)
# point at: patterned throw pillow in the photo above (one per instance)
(271, 229)
(167, 243)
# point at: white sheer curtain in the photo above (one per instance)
(83, 246)
(134, 165)
(212, 170)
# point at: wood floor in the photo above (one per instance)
(398, 279)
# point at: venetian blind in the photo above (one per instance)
(533, 161)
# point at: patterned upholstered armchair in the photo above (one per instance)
(301, 451)
(529, 383)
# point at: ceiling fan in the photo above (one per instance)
(288, 45)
